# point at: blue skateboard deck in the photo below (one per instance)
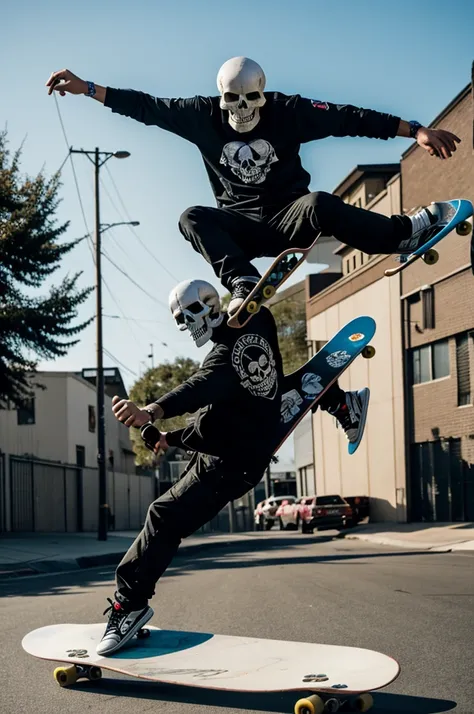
(454, 215)
(303, 388)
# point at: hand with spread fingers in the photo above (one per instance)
(128, 413)
(437, 142)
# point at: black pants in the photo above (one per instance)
(230, 238)
(207, 485)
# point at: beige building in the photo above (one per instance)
(377, 468)
(48, 466)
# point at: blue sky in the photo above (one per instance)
(407, 58)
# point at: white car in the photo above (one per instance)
(265, 511)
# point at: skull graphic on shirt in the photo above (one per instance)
(249, 162)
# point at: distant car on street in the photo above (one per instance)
(265, 511)
(310, 513)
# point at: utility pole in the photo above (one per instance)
(96, 158)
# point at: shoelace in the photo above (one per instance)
(241, 289)
(115, 614)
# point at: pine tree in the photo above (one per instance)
(31, 326)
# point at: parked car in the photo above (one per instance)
(360, 508)
(265, 511)
(311, 513)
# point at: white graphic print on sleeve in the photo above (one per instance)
(250, 162)
(253, 360)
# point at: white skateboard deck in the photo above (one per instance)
(242, 664)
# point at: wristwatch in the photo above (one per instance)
(152, 415)
(91, 90)
(414, 127)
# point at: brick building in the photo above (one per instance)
(438, 313)
(416, 461)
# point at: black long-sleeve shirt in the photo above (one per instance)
(261, 167)
(236, 393)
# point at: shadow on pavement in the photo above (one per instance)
(235, 701)
(252, 553)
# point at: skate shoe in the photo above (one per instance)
(241, 288)
(425, 224)
(352, 415)
(123, 624)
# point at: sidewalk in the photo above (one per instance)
(32, 553)
(441, 537)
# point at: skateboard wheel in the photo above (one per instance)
(311, 705)
(253, 307)
(94, 674)
(431, 257)
(268, 291)
(463, 228)
(65, 676)
(143, 634)
(362, 703)
(368, 352)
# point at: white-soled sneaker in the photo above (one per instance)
(241, 288)
(123, 624)
(352, 415)
(426, 223)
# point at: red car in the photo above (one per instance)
(311, 513)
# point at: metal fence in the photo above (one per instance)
(51, 497)
(442, 482)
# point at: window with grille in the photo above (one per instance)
(463, 369)
(26, 412)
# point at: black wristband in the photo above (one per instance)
(414, 127)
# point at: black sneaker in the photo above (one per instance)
(241, 288)
(123, 624)
(426, 223)
(352, 415)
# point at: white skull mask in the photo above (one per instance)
(196, 307)
(241, 82)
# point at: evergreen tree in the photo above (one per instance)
(31, 326)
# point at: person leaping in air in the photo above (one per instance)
(250, 140)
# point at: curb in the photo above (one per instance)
(45, 567)
(441, 548)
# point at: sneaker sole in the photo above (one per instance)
(353, 446)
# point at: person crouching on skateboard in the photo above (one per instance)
(250, 143)
(237, 396)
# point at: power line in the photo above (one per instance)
(131, 228)
(111, 356)
(89, 240)
(152, 297)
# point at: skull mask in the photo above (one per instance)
(241, 82)
(196, 307)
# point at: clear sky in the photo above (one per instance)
(407, 58)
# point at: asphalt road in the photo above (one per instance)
(415, 606)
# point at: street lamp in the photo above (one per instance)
(105, 226)
(99, 158)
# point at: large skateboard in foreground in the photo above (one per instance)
(335, 676)
(453, 215)
(278, 273)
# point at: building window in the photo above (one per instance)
(26, 412)
(347, 266)
(362, 259)
(430, 362)
(80, 456)
(354, 264)
(427, 298)
(91, 418)
(463, 369)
